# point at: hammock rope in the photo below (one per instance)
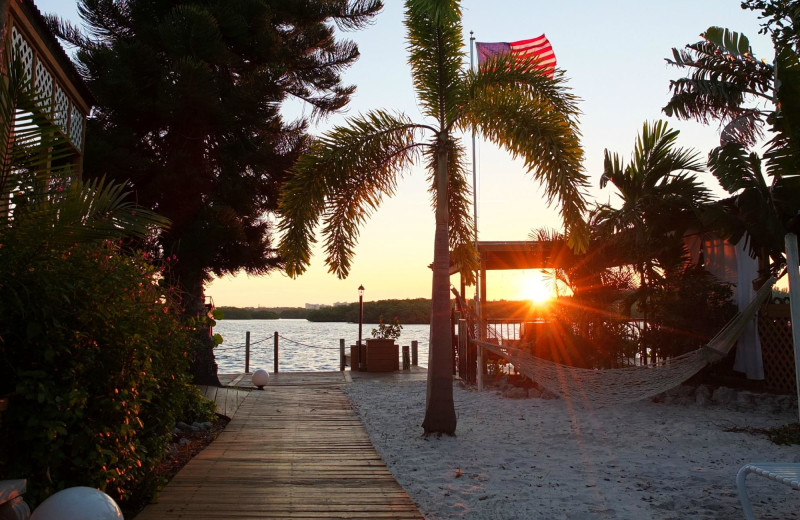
(606, 387)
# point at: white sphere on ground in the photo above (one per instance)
(260, 377)
(78, 503)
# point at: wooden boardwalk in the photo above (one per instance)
(292, 452)
(228, 399)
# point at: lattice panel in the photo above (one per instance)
(44, 86)
(25, 51)
(62, 109)
(775, 331)
(76, 127)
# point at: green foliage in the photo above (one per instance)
(235, 313)
(728, 85)
(387, 330)
(96, 361)
(294, 314)
(688, 312)
(417, 310)
(785, 435)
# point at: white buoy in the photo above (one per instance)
(78, 503)
(260, 378)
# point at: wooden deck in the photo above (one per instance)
(228, 399)
(295, 450)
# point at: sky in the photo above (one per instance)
(613, 53)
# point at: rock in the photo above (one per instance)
(183, 426)
(724, 396)
(547, 394)
(702, 396)
(183, 441)
(201, 426)
(515, 392)
(535, 393)
(746, 401)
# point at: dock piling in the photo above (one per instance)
(247, 352)
(415, 353)
(342, 359)
(275, 363)
(406, 358)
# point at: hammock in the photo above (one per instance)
(606, 387)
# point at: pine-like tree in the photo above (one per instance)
(189, 98)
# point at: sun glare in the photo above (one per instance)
(535, 290)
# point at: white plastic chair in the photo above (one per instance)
(784, 472)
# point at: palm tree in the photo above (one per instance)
(348, 170)
(728, 84)
(660, 200)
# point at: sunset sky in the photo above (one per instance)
(613, 54)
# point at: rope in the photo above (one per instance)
(306, 345)
(607, 387)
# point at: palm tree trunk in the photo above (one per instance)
(440, 413)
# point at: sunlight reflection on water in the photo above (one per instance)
(303, 345)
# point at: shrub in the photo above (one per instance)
(97, 360)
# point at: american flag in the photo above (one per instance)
(535, 48)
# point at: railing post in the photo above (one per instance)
(415, 353)
(341, 355)
(463, 357)
(406, 358)
(275, 363)
(247, 352)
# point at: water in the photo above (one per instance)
(304, 346)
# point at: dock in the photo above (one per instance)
(294, 450)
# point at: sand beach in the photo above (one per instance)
(535, 458)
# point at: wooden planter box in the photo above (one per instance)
(382, 355)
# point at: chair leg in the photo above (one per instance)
(740, 484)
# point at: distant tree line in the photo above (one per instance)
(236, 313)
(417, 310)
(410, 311)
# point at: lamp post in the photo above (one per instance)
(361, 350)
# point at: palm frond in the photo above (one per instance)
(340, 182)
(504, 71)
(724, 76)
(436, 56)
(529, 127)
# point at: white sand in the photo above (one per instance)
(536, 458)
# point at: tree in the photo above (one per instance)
(660, 201)
(188, 109)
(348, 170)
(728, 84)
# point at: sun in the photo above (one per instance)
(535, 290)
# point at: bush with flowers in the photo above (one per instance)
(95, 356)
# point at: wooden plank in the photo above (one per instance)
(295, 451)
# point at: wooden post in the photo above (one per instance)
(415, 353)
(793, 265)
(463, 334)
(406, 358)
(275, 363)
(341, 355)
(247, 352)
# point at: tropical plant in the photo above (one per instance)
(347, 171)
(660, 198)
(728, 84)
(92, 350)
(188, 109)
(389, 330)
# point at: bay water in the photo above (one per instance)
(303, 346)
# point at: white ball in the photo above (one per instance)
(260, 377)
(78, 503)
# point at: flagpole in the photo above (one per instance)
(475, 218)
